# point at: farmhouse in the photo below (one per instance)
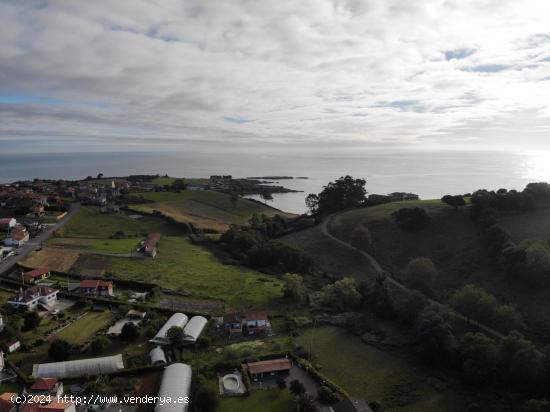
(81, 367)
(175, 384)
(257, 370)
(96, 287)
(17, 237)
(32, 297)
(177, 319)
(47, 386)
(149, 246)
(255, 322)
(35, 275)
(6, 224)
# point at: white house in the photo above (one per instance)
(34, 296)
(13, 346)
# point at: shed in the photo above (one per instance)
(175, 385)
(177, 319)
(194, 328)
(70, 369)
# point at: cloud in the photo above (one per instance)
(76, 74)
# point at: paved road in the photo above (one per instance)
(325, 228)
(23, 251)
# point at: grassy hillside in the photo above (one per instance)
(206, 209)
(452, 240)
(365, 371)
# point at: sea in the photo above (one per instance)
(429, 174)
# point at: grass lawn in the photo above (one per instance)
(182, 265)
(365, 371)
(204, 208)
(89, 223)
(100, 245)
(272, 400)
(83, 329)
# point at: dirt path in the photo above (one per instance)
(325, 229)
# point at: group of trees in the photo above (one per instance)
(411, 219)
(477, 304)
(342, 295)
(259, 251)
(513, 361)
(344, 193)
(529, 261)
(502, 200)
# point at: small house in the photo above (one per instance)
(96, 287)
(255, 322)
(47, 386)
(35, 275)
(150, 245)
(13, 346)
(258, 370)
(18, 236)
(136, 314)
(233, 323)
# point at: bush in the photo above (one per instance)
(31, 320)
(129, 332)
(99, 344)
(411, 219)
(59, 350)
(326, 395)
(281, 383)
(420, 275)
(297, 387)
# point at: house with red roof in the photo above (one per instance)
(35, 275)
(18, 236)
(7, 402)
(7, 223)
(96, 287)
(47, 386)
(150, 245)
(56, 405)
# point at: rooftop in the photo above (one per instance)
(273, 365)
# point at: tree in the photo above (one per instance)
(326, 395)
(361, 238)
(479, 358)
(281, 383)
(454, 201)
(294, 287)
(100, 175)
(344, 193)
(31, 320)
(408, 304)
(99, 344)
(411, 219)
(178, 184)
(297, 387)
(342, 295)
(312, 203)
(176, 336)
(206, 399)
(434, 338)
(474, 303)
(305, 403)
(234, 198)
(520, 363)
(129, 332)
(420, 275)
(59, 350)
(266, 196)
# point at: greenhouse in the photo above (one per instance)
(194, 328)
(81, 367)
(175, 385)
(157, 356)
(177, 319)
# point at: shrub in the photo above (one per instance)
(420, 274)
(411, 219)
(59, 350)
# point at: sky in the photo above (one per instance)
(80, 75)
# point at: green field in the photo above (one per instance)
(395, 382)
(89, 223)
(272, 400)
(182, 265)
(206, 209)
(98, 245)
(83, 329)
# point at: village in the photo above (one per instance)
(82, 312)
